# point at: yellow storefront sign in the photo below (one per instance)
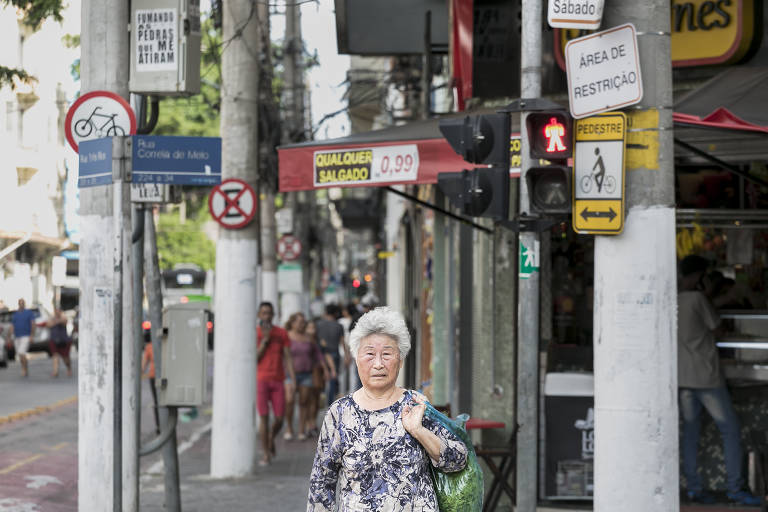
(704, 32)
(598, 174)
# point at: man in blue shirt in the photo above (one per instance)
(23, 331)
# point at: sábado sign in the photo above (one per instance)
(583, 14)
(603, 71)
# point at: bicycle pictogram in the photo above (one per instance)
(85, 126)
(598, 177)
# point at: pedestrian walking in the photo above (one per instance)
(376, 443)
(331, 336)
(702, 386)
(22, 332)
(305, 354)
(320, 378)
(148, 372)
(273, 355)
(60, 343)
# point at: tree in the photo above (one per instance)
(185, 242)
(34, 12)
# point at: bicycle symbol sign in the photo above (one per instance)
(98, 114)
(598, 174)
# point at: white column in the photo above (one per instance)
(233, 435)
(635, 337)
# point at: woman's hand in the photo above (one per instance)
(412, 416)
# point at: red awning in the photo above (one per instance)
(413, 153)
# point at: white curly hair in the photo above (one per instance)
(385, 321)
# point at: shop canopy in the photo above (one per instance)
(412, 153)
(725, 120)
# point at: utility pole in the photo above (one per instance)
(528, 284)
(635, 335)
(268, 137)
(293, 131)
(233, 436)
(104, 61)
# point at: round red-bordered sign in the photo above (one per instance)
(288, 248)
(232, 203)
(98, 114)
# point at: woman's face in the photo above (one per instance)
(299, 324)
(311, 329)
(378, 361)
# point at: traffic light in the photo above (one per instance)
(479, 139)
(549, 135)
(549, 177)
(549, 189)
(481, 192)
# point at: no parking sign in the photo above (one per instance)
(232, 203)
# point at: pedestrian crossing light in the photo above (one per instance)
(549, 135)
(549, 189)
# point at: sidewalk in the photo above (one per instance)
(283, 485)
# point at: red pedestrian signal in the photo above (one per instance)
(355, 283)
(549, 135)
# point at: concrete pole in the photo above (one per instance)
(268, 164)
(635, 339)
(233, 436)
(104, 66)
(528, 286)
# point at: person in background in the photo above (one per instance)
(319, 380)
(60, 342)
(331, 336)
(376, 446)
(305, 354)
(350, 316)
(702, 386)
(22, 332)
(273, 356)
(148, 372)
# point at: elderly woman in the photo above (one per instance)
(376, 443)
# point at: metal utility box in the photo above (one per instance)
(165, 47)
(183, 373)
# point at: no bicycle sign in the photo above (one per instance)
(603, 71)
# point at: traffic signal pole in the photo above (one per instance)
(635, 328)
(528, 282)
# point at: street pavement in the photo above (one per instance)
(38, 455)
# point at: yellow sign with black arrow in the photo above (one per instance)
(598, 174)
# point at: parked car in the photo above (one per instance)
(42, 332)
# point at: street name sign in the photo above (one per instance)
(603, 71)
(176, 160)
(95, 162)
(233, 203)
(98, 114)
(154, 193)
(581, 14)
(598, 174)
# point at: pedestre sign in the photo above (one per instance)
(598, 174)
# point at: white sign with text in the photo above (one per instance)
(583, 14)
(603, 71)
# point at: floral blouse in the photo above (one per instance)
(377, 465)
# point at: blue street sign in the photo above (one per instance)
(95, 162)
(176, 160)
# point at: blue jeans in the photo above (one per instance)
(717, 402)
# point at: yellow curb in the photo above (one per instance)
(37, 410)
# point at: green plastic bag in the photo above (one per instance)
(460, 491)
